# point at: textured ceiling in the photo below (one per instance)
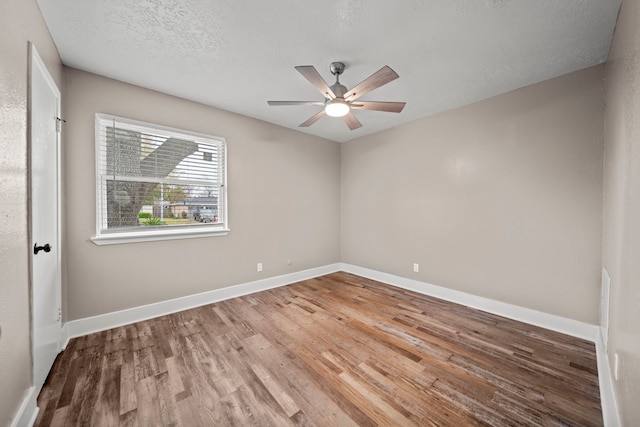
(236, 55)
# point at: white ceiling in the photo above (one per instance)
(236, 55)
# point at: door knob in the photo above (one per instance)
(46, 248)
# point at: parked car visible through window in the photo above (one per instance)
(207, 216)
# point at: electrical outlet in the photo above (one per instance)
(416, 267)
(259, 267)
(616, 366)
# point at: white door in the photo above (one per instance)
(45, 218)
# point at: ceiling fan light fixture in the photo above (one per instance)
(336, 108)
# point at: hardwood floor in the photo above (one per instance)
(338, 350)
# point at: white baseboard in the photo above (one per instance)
(28, 411)
(88, 325)
(605, 379)
(548, 321)
(571, 327)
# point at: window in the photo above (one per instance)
(157, 183)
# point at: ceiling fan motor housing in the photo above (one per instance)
(338, 90)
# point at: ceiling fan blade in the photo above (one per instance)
(295, 103)
(312, 119)
(352, 121)
(381, 77)
(389, 107)
(310, 73)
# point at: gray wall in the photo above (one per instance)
(621, 252)
(501, 199)
(20, 22)
(284, 203)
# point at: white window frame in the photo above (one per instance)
(147, 234)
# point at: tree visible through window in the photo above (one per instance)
(151, 178)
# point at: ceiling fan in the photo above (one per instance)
(339, 101)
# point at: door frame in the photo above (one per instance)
(36, 62)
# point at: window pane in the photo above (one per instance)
(154, 178)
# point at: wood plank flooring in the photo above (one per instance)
(338, 350)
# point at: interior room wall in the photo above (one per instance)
(20, 22)
(621, 248)
(284, 203)
(500, 199)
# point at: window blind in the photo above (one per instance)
(152, 177)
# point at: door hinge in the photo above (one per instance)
(59, 314)
(59, 122)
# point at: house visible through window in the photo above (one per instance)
(155, 182)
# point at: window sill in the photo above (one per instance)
(146, 236)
